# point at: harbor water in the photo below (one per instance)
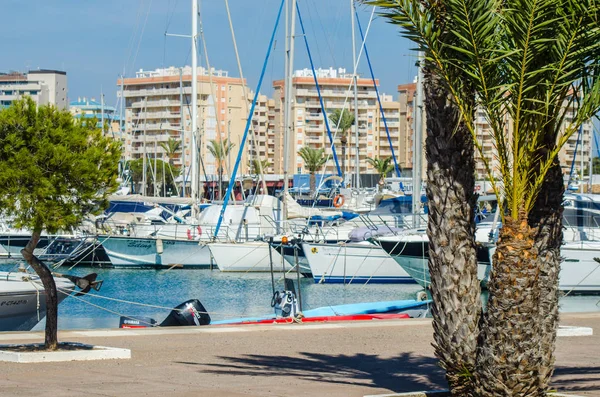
(151, 293)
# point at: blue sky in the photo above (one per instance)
(95, 41)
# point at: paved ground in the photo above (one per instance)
(275, 360)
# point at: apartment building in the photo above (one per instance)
(154, 113)
(90, 108)
(46, 87)
(406, 98)
(484, 136)
(261, 140)
(309, 124)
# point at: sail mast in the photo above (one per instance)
(417, 143)
(354, 77)
(289, 120)
(194, 148)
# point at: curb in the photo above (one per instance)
(82, 352)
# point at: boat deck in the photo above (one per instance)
(341, 359)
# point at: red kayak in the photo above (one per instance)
(326, 319)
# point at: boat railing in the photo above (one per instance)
(581, 227)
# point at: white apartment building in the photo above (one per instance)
(309, 125)
(46, 87)
(484, 136)
(155, 114)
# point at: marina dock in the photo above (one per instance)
(342, 359)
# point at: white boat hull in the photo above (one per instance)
(247, 257)
(579, 272)
(155, 253)
(23, 302)
(353, 263)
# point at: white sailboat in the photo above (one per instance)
(356, 263)
(23, 299)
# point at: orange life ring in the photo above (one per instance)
(338, 201)
(199, 230)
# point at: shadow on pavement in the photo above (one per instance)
(576, 379)
(406, 372)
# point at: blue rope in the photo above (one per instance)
(248, 122)
(312, 67)
(398, 172)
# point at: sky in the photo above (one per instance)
(95, 41)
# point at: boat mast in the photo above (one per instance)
(354, 77)
(182, 130)
(144, 152)
(155, 169)
(591, 160)
(417, 143)
(289, 120)
(102, 111)
(581, 166)
(194, 159)
(121, 123)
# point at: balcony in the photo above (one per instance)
(149, 104)
(156, 92)
(155, 115)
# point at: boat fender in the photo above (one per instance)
(189, 234)
(338, 201)
(190, 312)
(422, 296)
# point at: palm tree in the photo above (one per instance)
(314, 160)
(383, 167)
(257, 165)
(171, 147)
(344, 120)
(530, 62)
(449, 151)
(220, 150)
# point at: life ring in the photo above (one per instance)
(199, 228)
(338, 201)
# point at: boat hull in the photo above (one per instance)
(136, 252)
(23, 303)
(248, 257)
(413, 257)
(353, 263)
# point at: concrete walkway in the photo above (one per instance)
(349, 359)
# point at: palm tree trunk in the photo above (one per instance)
(508, 363)
(451, 231)
(313, 184)
(546, 217)
(51, 335)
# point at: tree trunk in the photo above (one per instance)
(546, 217)
(455, 288)
(51, 337)
(508, 363)
(313, 184)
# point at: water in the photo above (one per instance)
(225, 295)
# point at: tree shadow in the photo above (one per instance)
(405, 372)
(574, 379)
